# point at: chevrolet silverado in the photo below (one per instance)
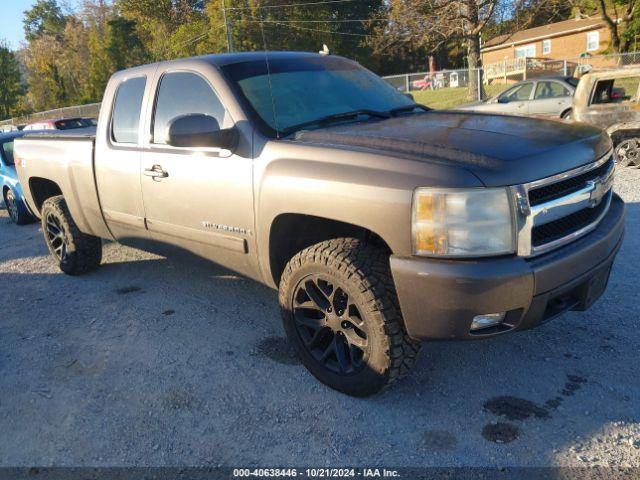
(381, 223)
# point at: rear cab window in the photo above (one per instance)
(616, 90)
(127, 110)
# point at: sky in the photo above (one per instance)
(12, 15)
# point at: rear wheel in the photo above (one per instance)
(75, 252)
(341, 313)
(18, 214)
(628, 152)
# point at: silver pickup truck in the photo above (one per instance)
(380, 222)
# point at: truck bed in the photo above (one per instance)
(75, 133)
(63, 161)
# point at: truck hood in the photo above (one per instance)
(498, 149)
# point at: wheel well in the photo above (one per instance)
(565, 111)
(620, 135)
(42, 189)
(291, 233)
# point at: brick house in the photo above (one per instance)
(562, 40)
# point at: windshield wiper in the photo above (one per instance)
(336, 117)
(407, 108)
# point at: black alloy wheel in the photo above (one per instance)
(330, 325)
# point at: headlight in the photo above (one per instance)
(462, 223)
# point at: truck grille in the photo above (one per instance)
(565, 187)
(560, 209)
(553, 231)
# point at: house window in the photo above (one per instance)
(593, 41)
(546, 47)
(526, 51)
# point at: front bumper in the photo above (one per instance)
(439, 298)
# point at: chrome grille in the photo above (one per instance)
(559, 189)
(560, 209)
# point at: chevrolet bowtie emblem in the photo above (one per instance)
(600, 188)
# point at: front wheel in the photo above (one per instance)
(75, 252)
(340, 311)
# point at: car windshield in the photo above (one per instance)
(70, 124)
(287, 93)
(7, 152)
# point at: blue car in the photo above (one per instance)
(9, 185)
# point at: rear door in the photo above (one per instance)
(117, 160)
(199, 200)
(550, 99)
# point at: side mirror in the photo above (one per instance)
(198, 130)
(503, 99)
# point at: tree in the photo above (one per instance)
(618, 15)
(167, 28)
(11, 88)
(434, 23)
(44, 18)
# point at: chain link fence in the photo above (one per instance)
(450, 88)
(91, 111)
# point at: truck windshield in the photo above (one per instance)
(288, 93)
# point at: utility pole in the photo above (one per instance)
(226, 27)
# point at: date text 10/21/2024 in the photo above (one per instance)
(317, 472)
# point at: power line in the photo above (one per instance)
(292, 5)
(321, 31)
(321, 21)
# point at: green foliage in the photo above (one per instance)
(10, 84)
(70, 56)
(44, 18)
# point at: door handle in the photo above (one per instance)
(156, 172)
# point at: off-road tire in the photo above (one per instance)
(363, 270)
(83, 252)
(17, 215)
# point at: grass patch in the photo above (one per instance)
(444, 98)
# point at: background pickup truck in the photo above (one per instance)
(381, 223)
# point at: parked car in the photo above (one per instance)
(8, 128)
(61, 124)
(544, 97)
(12, 195)
(609, 100)
(381, 223)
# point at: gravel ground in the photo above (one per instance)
(154, 362)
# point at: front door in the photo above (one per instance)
(199, 200)
(514, 101)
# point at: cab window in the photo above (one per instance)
(517, 93)
(183, 93)
(545, 90)
(616, 90)
(127, 109)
